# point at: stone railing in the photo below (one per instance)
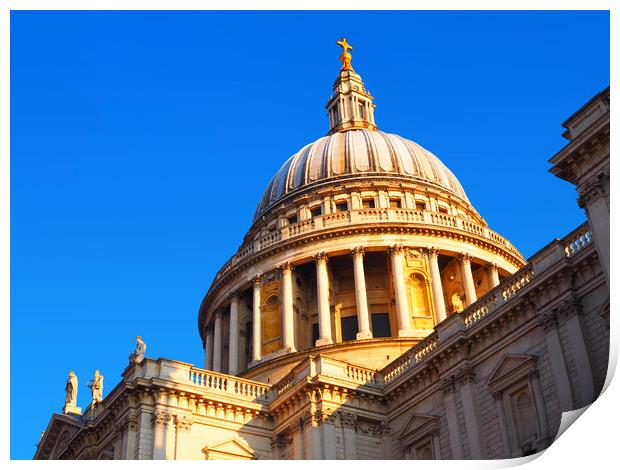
(364, 216)
(411, 358)
(242, 388)
(575, 242)
(362, 375)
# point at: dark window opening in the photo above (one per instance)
(380, 325)
(341, 207)
(348, 327)
(368, 203)
(316, 211)
(395, 203)
(443, 210)
(420, 206)
(292, 219)
(315, 334)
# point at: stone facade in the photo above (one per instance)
(371, 313)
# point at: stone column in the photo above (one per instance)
(209, 349)
(432, 255)
(493, 271)
(233, 340)
(549, 323)
(257, 342)
(322, 289)
(448, 386)
(363, 316)
(466, 377)
(594, 199)
(468, 279)
(288, 326)
(160, 421)
(400, 291)
(571, 310)
(217, 342)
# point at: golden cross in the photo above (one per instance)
(345, 45)
(345, 57)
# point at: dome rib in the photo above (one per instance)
(356, 153)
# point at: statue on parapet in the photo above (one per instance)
(457, 302)
(71, 389)
(138, 355)
(96, 388)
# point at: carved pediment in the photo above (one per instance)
(418, 427)
(230, 449)
(510, 369)
(54, 440)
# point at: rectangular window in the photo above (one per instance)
(420, 206)
(341, 207)
(292, 219)
(315, 211)
(395, 203)
(368, 203)
(361, 110)
(348, 327)
(380, 325)
(315, 334)
(442, 209)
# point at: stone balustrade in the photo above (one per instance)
(360, 217)
(577, 242)
(572, 244)
(243, 388)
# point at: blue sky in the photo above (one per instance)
(142, 141)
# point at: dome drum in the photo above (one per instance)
(361, 243)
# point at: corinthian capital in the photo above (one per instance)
(465, 257)
(396, 249)
(320, 257)
(286, 267)
(357, 251)
(431, 251)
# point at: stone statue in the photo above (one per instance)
(96, 388)
(457, 302)
(71, 389)
(138, 355)
(71, 396)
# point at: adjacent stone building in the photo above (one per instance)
(372, 313)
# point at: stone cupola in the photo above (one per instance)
(351, 106)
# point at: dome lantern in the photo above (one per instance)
(351, 106)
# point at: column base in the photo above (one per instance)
(407, 332)
(364, 335)
(71, 410)
(323, 342)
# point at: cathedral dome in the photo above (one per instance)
(357, 154)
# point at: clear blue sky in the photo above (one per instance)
(141, 143)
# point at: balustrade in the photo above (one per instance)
(243, 388)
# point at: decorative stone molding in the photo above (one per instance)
(431, 251)
(357, 251)
(396, 249)
(590, 190)
(548, 320)
(348, 420)
(183, 422)
(320, 257)
(286, 267)
(569, 307)
(465, 374)
(465, 257)
(233, 295)
(448, 385)
(160, 418)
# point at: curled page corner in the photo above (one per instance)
(568, 418)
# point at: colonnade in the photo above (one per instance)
(213, 336)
